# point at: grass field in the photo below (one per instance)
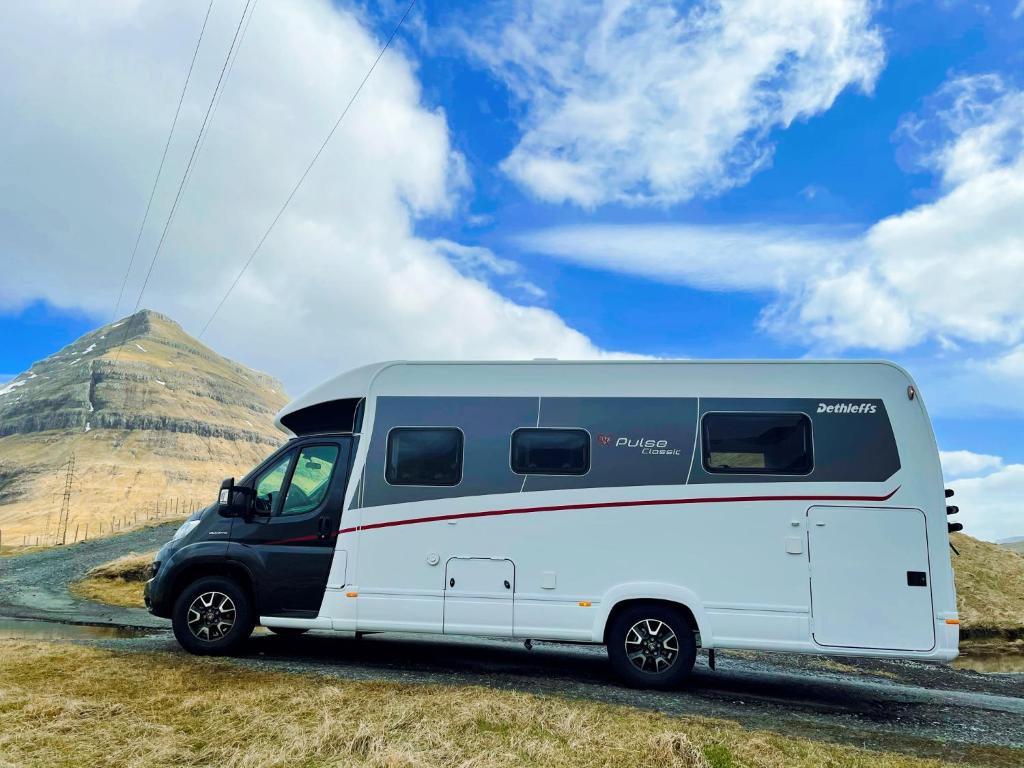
(118, 582)
(990, 589)
(68, 705)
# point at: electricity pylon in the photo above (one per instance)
(65, 505)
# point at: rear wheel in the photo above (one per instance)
(651, 646)
(212, 616)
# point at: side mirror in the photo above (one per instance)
(227, 496)
(233, 499)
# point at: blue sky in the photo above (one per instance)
(842, 168)
(584, 169)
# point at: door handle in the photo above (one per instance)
(324, 527)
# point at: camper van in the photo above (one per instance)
(656, 508)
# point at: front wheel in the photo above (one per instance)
(651, 646)
(212, 616)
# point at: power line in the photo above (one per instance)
(163, 158)
(181, 186)
(309, 167)
(220, 94)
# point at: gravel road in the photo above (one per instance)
(34, 586)
(922, 709)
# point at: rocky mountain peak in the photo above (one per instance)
(142, 372)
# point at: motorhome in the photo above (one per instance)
(655, 507)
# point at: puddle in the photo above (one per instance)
(990, 662)
(32, 629)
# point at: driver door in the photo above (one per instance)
(297, 510)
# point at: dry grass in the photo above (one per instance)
(118, 582)
(118, 474)
(990, 588)
(66, 705)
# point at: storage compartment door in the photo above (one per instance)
(870, 580)
(478, 596)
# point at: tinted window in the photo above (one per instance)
(757, 443)
(310, 479)
(424, 456)
(268, 487)
(550, 452)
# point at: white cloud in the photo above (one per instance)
(990, 506)
(958, 464)
(700, 256)
(949, 270)
(1009, 365)
(343, 279)
(648, 103)
(483, 264)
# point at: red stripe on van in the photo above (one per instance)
(595, 505)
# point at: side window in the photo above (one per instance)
(757, 443)
(550, 452)
(311, 479)
(424, 456)
(268, 487)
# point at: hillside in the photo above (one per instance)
(154, 419)
(1016, 544)
(990, 589)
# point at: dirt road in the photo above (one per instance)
(921, 709)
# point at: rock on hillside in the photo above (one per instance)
(150, 413)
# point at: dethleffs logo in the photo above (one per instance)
(647, 446)
(847, 408)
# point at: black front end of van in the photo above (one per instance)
(264, 549)
(202, 537)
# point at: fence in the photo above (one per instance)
(80, 529)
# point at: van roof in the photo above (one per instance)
(359, 382)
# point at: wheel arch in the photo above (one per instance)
(679, 598)
(195, 570)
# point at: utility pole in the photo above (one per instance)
(65, 505)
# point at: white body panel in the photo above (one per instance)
(478, 596)
(748, 560)
(859, 563)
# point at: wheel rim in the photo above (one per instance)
(211, 616)
(651, 646)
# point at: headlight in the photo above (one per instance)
(185, 529)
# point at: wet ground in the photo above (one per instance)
(923, 709)
(991, 661)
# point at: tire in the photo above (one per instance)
(288, 631)
(651, 646)
(212, 616)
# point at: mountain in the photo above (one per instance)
(153, 418)
(1016, 543)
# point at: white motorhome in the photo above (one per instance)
(655, 507)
